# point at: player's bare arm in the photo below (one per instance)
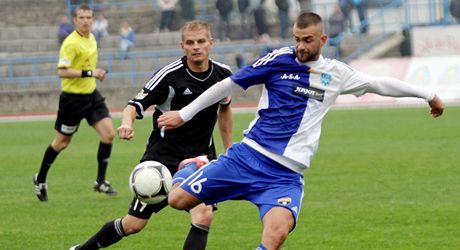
(77, 73)
(225, 122)
(126, 130)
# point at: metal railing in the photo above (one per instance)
(394, 16)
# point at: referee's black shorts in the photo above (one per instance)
(74, 107)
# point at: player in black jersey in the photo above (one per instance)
(171, 88)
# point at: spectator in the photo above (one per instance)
(454, 8)
(243, 8)
(65, 28)
(167, 13)
(127, 39)
(336, 27)
(261, 22)
(225, 8)
(187, 9)
(100, 27)
(361, 7)
(346, 7)
(283, 14)
(239, 60)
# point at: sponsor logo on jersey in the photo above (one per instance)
(187, 92)
(284, 201)
(310, 92)
(68, 129)
(141, 95)
(290, 77)
(325, 79)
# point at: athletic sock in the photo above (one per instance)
(103, 156)
(48, 159)
(109, 234)
(185, 172)
(261, 247)
(197, 237)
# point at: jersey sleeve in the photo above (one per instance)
(148, 97)
(355, 82)
(259, 71)
(359, 83)
(66, 55)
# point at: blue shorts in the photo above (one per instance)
(246, 174)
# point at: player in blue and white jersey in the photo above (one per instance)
(267, 167)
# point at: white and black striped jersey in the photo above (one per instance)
(171, 88)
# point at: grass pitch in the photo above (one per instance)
(382, 179)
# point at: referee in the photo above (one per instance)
(170, 88)
(79, 99)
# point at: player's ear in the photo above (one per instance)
(323, 39)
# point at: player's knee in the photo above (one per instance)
(276, 234)
(132, 226)
(177, 200)
(111, 135)
(59, 145)
(202, 214)
(108, 137)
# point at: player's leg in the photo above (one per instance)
(179, 198)
(59, 143)
(113, 231)
(100, 119)
(201, 217)
(277, 223)
(132, 223)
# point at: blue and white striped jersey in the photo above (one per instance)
(295, 98)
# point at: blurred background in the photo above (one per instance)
(412, 40)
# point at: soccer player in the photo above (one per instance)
(299, 88)
(171, 88)
(79, 99)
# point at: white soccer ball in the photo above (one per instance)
(150, 182)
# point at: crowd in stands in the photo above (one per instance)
(251, 20)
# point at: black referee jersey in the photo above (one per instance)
(171, 88)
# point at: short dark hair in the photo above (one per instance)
(308, 19)
(83, 6)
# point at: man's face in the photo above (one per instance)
(196, 45)
(83, 21)
(308, 42)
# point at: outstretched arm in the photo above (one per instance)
(393, 87)
(126, 131)
(174, 119)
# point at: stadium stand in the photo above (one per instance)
(29, 47)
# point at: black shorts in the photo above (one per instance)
(74, 107)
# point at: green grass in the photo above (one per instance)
(382, 179)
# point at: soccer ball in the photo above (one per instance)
(150, 182)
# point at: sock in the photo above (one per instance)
(48, 159)
(197, 237)
(109, 234)
(185, 172)
(261, 247)
(103, 156)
